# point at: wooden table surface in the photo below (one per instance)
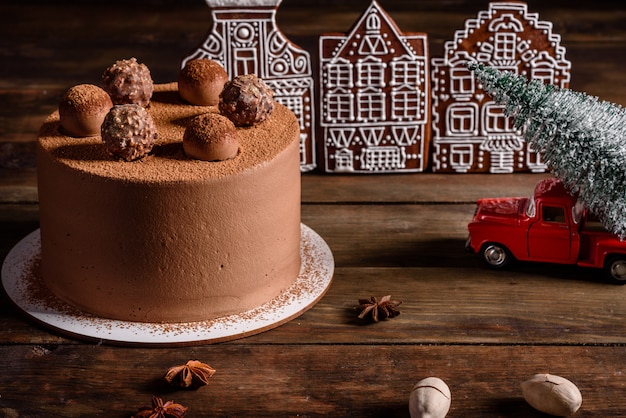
(483, 332)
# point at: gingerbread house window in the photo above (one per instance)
(462, 118)
(461, 81)
(371, 72)
(495, 121)
(339, 105)
(246, 61)
(343, 160)
(371, 105)
(405, 71)
(339, 74)
(505, 43)
(294, 103)
(405, 103)
(543, 73)
(461, 156)
(382, 158)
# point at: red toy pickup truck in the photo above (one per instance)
(551, 226)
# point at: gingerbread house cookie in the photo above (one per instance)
(375, 98)
(470, 131)
(245, 39)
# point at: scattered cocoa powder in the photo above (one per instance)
(168, 163)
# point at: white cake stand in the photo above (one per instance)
(29, 293)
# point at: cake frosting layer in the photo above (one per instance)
(168, 238)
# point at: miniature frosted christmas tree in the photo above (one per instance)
(582, 139)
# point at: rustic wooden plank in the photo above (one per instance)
(596, 70)
(464, 306)
(90, 45)
(414, 188)
(416, 253)
(303, 380)
(20, 186)
(482, 331)
(439, 306)
(17, 186)
(16, 221)
(391, 235)
(23, 112)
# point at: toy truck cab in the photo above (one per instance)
(550, 226)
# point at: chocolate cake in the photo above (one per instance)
(168, 237)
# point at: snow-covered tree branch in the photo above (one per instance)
(582, 140)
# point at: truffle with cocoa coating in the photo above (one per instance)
(128, 81)
(211, 137)
(246, 100)
(201, 81)
(128, 132)
(82, 110)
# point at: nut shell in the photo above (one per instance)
(128, 132)
(554, 395)
(211, 137)
(128, 82)
(201, 81)
(430, 398)
(246, 100)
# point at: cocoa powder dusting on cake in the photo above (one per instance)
(310, 281)
(82, 110)
(201, 81)
(168, 163)
(40, 295)
(84, 98)
(203, 70)
(211, 137)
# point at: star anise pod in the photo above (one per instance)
(192, 375)
(378, 309)
(159, 409)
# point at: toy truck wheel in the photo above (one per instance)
(496, 255)
(615, 269)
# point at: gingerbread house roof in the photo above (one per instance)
(513, 20)
(243, 3)
(360, 26)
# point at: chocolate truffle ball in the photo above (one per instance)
(201, 81)
(246, 100)
(82, 110)
(211, 137)
(128, 81)
(128, 132)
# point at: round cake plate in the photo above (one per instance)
(28, 292)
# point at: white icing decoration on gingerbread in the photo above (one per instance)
(245, 39)
(467, 124)
(375, 97)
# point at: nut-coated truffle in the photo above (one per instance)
(201, 81)
(82, 110)
(211, 137)
(246, 100)
(128, 81)
(128, 132)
